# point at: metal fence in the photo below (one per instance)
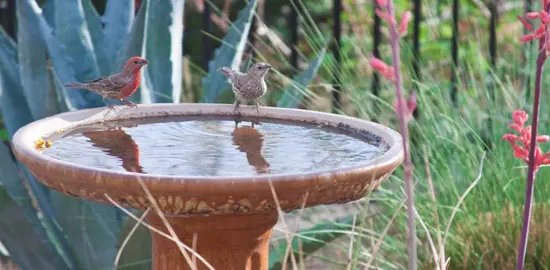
(7, 20)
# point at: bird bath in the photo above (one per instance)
(213, 180)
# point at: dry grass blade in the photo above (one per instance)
(153, 229)
(165, 221)
(430, 240)
(119, 253)
(461, 199)
(288, 237)
(381, 238)
(441, 261)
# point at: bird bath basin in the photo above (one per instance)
(213, 180)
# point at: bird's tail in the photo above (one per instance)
(226, 71)
(75, 85)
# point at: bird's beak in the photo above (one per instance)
(143, 61)
(268, 66)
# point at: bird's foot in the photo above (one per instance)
(129, 103)
(111, 107)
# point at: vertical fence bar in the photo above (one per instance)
(454, 51)
(294, 36)
(337, 33)
(206, 40)
(376, 39)
(416, 37)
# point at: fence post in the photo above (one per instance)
(336, 33)
(454, 50)
(206, 40)
(294, 36)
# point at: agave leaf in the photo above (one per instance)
(134, 47)
(72, 32)
(228, 54)
(93, 20)
(294, 94)
(163, 48)
(29, 13)
(15, 110)
(317, 237)
(32, 63)
(138, 251)
(91, 229)
(48, 11)
(118, 20)
(28, 248)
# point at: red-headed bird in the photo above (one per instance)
(117, 86)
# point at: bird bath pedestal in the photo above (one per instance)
(230, 217)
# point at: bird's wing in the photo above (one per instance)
(108, 84)
(239, 80)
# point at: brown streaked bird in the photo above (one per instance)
(249, 86)
(117, 86)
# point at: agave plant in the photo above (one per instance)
(65, 41)
(60, 42)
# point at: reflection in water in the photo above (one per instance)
(187, 146)
(117, 143)
(250, 141)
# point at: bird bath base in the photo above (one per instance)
(226, 214)
(226, 242)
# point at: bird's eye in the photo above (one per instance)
(135, 62)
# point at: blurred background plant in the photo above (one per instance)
(463, 60)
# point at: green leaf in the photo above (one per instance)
(229, 54)
(28, 248)
(29, 15)
(133, 47)
(118, 20)
(163, 47)
(32, 63)
(93, 20)
(317, 237)
(294, 94)
(72, 32)
(137, 254)
(91, 228)
(15, 110)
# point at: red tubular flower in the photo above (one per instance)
(403, 25)
(521, 144)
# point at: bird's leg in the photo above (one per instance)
(258, 113)
(128, 103)
(236, 109)
(110, 105)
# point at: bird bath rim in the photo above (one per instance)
(327, 186)
(392, 138)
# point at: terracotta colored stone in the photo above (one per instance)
(232, 216)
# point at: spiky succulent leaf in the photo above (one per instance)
(93, 20)
(294, 94)
(29, 11)
(28, 248)
(133, 47)
(228, 54)
(118, 20)
(15, 110)
(72, 31)
(163, 48)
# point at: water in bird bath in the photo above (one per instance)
(213, 146)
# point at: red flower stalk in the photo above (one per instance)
(386, 12)
(522, 143)
(529, 152)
